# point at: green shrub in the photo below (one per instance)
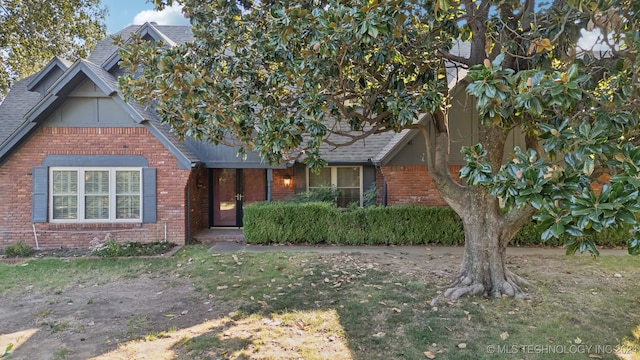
(285, 222)
(530, 235)
(292, 223)
(112, 248)
(19, 249)
(327, 194)
(370, 197)
(313, 223)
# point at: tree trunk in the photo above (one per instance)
(487, 230)
(487, 233)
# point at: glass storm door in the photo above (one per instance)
(232, 190)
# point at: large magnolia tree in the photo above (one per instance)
(32, 32)
(278, 75)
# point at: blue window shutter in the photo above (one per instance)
(148, 195)
(39, 196)
(368, 177)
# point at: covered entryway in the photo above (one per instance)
(233, 189)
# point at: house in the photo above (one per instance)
(77, 162)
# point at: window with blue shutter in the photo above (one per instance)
(69, 190)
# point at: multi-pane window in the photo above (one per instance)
(95, 194)
(347, 179)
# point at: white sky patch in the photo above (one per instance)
(171, 15)
(592, 40)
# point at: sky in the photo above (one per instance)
(127, 12)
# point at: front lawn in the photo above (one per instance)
(277, 305)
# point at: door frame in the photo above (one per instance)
(239, 196)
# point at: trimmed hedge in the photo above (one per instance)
(322, 223)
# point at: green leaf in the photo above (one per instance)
(372, 31)
(589, 166)
(546, 235)
(633, 246)
(557, 229)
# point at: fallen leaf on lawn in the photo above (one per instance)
(577, 340)
(396, 310)
(429, 355)
(462, 346)
(185, 312)
(300, 324)
(504, 335)
(222, 287)
(379, 335)
(595, 356)
(271, 322)
(169, 315)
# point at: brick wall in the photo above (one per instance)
(412, 185)
(198, 194)
(15, 187)
(278, 190)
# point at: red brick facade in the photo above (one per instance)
(278, 190)
(171, 183)
(412, 185)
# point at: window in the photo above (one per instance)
(95, 194)
(347, 179)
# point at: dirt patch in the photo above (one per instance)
(90, 320)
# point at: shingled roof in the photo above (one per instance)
(22, 109)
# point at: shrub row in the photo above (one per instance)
(322, 223)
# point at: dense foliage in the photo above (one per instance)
(32, 32)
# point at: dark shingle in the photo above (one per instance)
(12, 110)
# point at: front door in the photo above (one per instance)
(232, 190)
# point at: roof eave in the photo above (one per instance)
(64, 85)
(56, 62)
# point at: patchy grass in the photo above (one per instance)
(62, 354)
(56, 275)
(277, 305)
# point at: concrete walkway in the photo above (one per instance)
(418, 250)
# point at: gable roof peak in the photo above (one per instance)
(150, 29)
(56, 63)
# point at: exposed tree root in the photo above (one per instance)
(466, 286)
